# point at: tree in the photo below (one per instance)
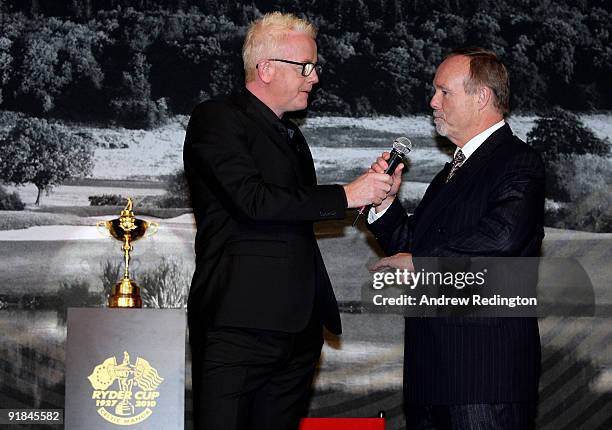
(563, 140)
(562, 132)
(55, 56)
(484, 30)
(44, 154)
(133, 106)
(403, 70)
(528, 85)
(5, 62)
(10, 201)
(177, 191)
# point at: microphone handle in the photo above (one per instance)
(394, 161)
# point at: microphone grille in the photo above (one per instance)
(402, 145)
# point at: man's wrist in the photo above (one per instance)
(346, 196)
(374, 216)
(385, 204)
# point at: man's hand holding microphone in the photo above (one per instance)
(375, 187)
(380, 166)
(371, 188)
(389, 164)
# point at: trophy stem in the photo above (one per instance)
(127, 248)
(125, 293)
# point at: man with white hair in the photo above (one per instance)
(260, 292)
(465, 373)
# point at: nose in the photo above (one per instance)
(313, 78)
(435, 101)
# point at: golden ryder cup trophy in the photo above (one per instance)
(127, 229)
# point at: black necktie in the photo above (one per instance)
(458, 160)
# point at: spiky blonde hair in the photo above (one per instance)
(266, 34)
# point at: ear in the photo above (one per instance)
(485, 95)
(265, 71)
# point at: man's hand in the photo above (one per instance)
(402, 260)
(379, 166)
(369, 189)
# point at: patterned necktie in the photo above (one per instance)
(458, 160)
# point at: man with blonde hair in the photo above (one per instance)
(260, 292)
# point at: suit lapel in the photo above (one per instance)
(304, 155)
(268, 129)
(445, 193)
(434, 188)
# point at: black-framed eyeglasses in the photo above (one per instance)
(307, 68)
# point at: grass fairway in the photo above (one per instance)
(16, 220)
(78, 195)
(347, 137)
(357, 137)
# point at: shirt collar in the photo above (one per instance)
(474, 143)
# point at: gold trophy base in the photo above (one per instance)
(125, 295)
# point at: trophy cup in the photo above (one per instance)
(127, 229)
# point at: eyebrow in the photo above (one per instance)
(442, 87)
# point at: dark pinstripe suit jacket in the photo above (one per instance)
(493, 206)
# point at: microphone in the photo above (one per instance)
(401, 147)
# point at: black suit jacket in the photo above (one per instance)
(493, 207)
(255, 198)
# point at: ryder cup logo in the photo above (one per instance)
(133, 397)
